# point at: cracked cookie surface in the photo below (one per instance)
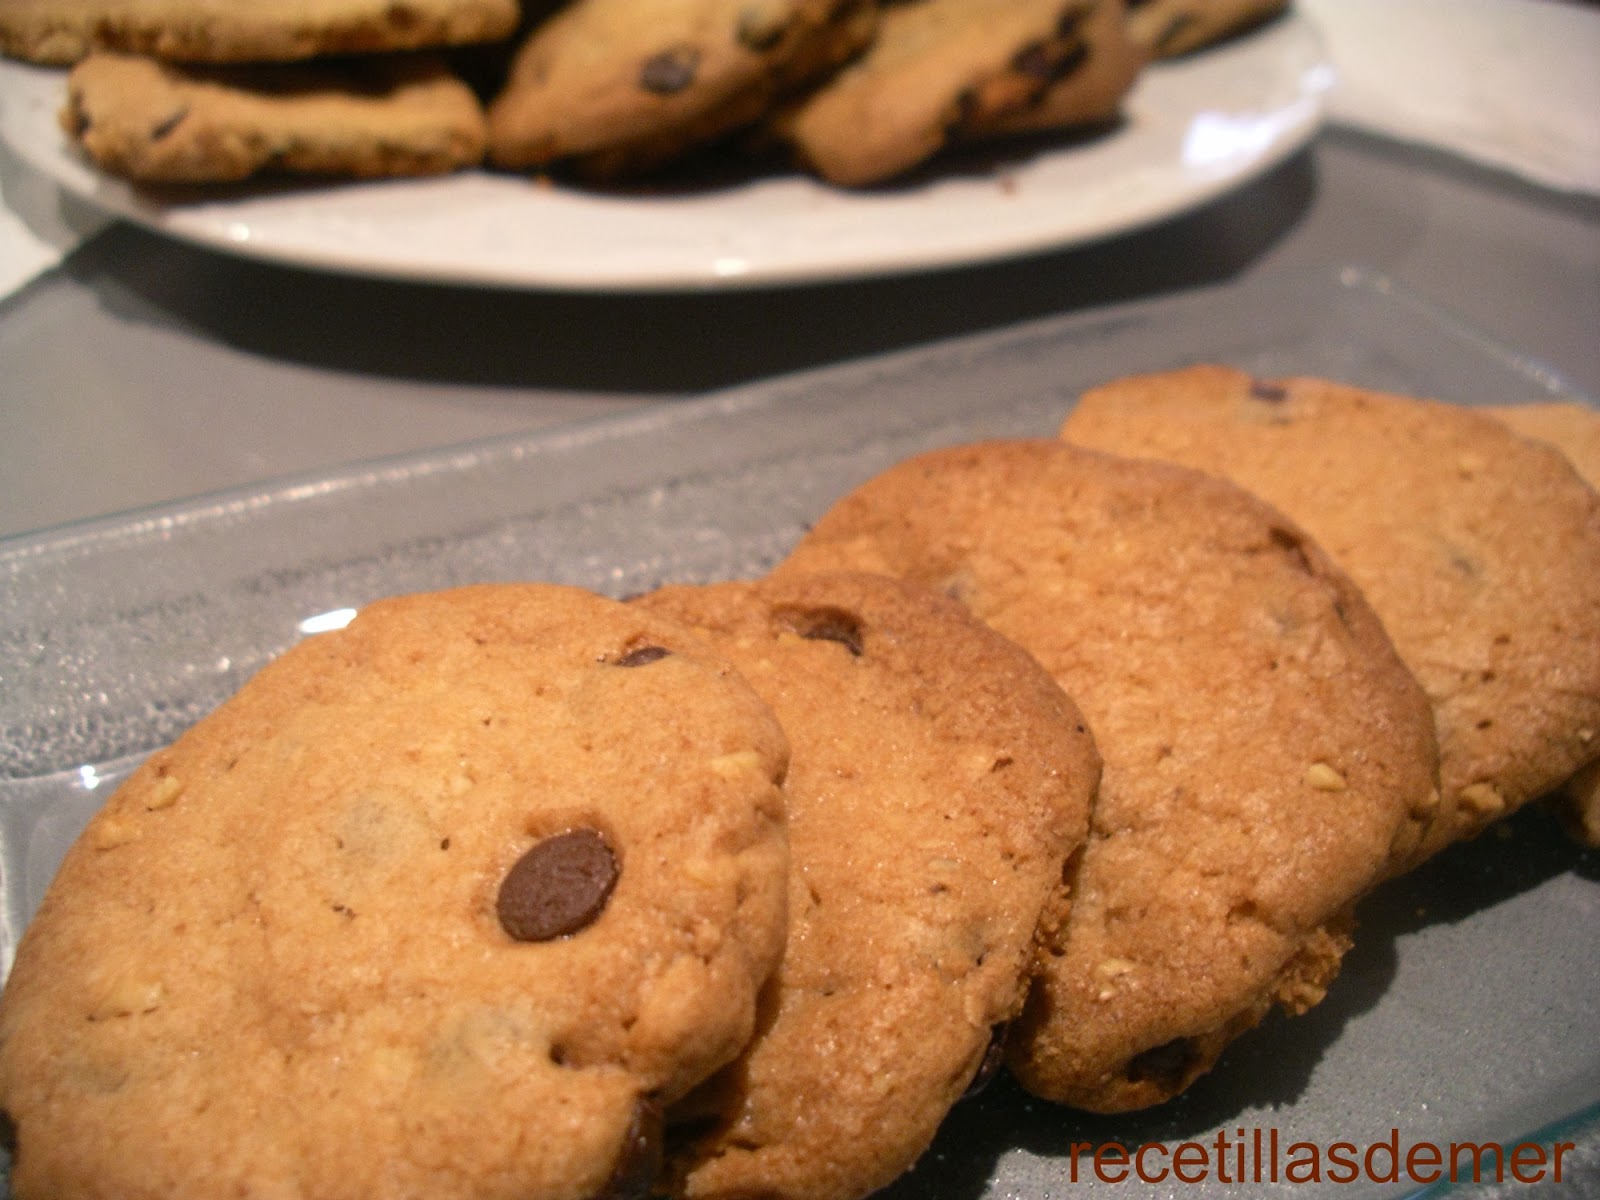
(447, 904)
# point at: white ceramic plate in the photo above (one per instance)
(1194, 129)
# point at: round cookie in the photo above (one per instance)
(612, 90)
(939, 782)
(63, 31)
(1266, 754)
(450, 903)
(1575, 431)
(1479, 550)
(943, 71)
(381, 116)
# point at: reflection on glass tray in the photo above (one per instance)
(1466, 1010)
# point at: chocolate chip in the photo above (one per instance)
(1294, 546)
(8, 1135)
(669, 72)
(639, 1161)
(168, 124)
(760, 27)
(1265, 389)
(992, 1058)
(643, 656)
(558, 887)
(1048, 64)
(1166, 1064)
(830, 625)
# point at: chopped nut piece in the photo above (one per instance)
(1324, 778)
(165, 793)
(110, 832)
(1482, 798)
(740, 762)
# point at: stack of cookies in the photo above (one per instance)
(1070, 757)
(856, 91)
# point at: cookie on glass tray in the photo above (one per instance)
(1266, 754)
(450, 903)
(939, 784)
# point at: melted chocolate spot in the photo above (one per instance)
(639, 1161)
(1265, 389)
(643, 656)
(557, 888)
(8, 1135)
(1165, 1064)
(669, 72)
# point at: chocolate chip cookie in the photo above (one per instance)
(600, 89)
(1266, 753)
(158, 122)
(1479, 549)
(941, 72)
(450, 903)
(939, 782)
(63, 31)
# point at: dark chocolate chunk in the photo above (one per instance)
(1166, 1064)
(168, 124)
(639, 1161)
(557, 888)
(643, 656)
(669, 72)
(8, 1135)
(1265, 389)
(1049, 64)
(830, 625)
(992, 1058)
(761, 26)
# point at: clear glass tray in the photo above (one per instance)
(1466, 1011)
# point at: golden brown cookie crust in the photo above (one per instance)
(159, 122)
(276, 962)
(1479, 550)
(1265, 751)
(60, 32)
(938, 783)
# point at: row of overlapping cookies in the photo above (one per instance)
(205, 91)
(1028, 752)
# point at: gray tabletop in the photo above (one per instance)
(145, 370)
